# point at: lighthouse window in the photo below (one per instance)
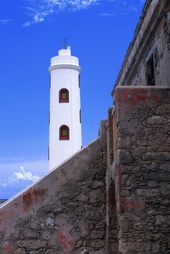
(64, 132)
(63, 95)
(79, 80)
(80, 115)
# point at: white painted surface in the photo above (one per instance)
(64, 70)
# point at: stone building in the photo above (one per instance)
(112, 197)
(147, 60)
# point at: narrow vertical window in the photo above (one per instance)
(50, 81)
(63, 95)
(151, 71)
(80, 115)
(64, 133)
(151, 64)
(79, 80)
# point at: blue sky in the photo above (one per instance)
(32, 31)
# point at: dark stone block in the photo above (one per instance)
(124, 157)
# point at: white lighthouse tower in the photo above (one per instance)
(65, 112)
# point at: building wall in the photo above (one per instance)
(141, 169)
(160, 47)
(151, 37)
(63, 213)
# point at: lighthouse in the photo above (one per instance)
(65, 136)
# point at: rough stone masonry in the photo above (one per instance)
(63, 213)
(73, 211)
(113, 197)
(142, 171)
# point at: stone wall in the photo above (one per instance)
(73, 211)
(111, 213)
(160, 47)
(142, 170)
(151, 38)
(63, 213)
